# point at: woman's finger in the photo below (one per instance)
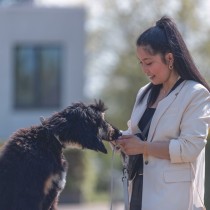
(121, 143)
(125, 136)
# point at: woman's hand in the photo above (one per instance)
(131, 144)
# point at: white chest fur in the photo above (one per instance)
(57, 181)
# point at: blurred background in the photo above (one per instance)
(55, 52)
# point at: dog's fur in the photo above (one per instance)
(32, 165)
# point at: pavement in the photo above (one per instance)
(91, 206)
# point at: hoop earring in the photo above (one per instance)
(170, 67)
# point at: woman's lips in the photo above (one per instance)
(151, 77)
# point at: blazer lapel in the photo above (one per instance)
(137, 113)
(163, 105)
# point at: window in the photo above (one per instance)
(37, 76)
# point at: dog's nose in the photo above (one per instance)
(117, 134)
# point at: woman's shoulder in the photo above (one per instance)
(141, 91)
(194, 91)
(194, 86)
(143, 88)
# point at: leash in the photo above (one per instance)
(112, 176)
(125, 181)
(124, 178)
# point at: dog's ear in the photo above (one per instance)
(95, 144)
(100, 146)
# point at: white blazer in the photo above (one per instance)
(182, 118)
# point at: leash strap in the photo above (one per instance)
(112, 177)
(125, 182)
(124, 179)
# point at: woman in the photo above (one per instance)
(176, 106)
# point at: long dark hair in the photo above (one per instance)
(164, 38)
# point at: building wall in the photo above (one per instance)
(35, 25)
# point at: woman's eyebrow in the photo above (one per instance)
(144, 59)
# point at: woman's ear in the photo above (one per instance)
(169, 57)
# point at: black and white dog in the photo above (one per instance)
(32, 165)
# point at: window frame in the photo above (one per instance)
(37, 49)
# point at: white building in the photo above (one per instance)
(41, 63)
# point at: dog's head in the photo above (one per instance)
(83, 125)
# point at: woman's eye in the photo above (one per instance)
(145, 64)
(148, 64)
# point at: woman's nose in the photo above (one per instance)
(145, 69)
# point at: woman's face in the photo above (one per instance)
(153, 66)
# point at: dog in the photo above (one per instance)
(32, 165)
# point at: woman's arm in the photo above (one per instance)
(158, 149)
